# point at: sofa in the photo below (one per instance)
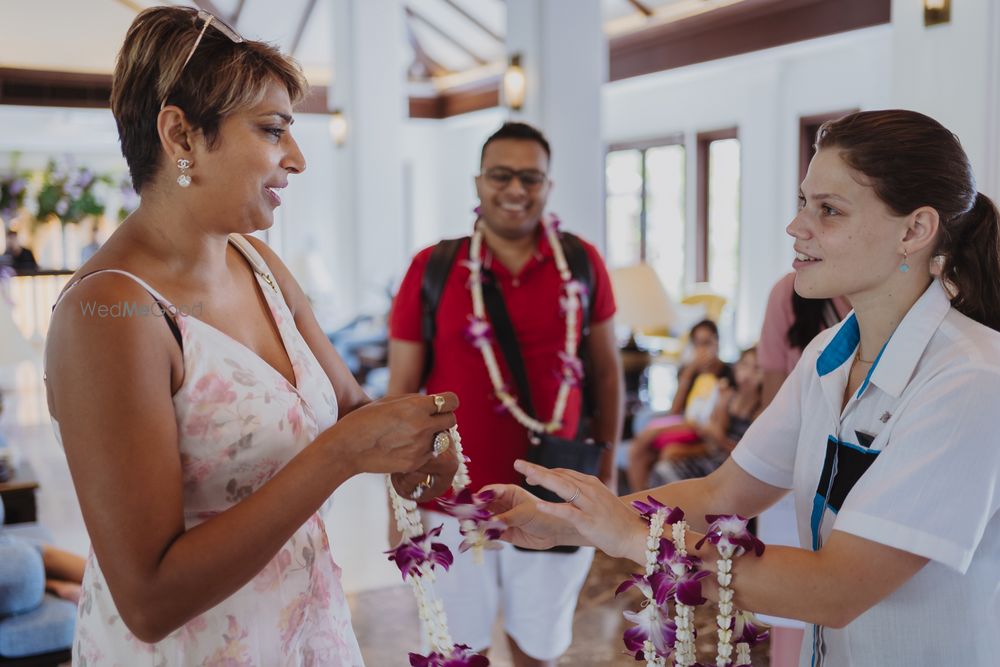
(36, 628)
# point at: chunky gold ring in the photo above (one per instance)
(420, 488)
(575, 496)
(439, 404)
(442, 441)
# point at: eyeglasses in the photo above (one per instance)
(500, 177)
(220, 25)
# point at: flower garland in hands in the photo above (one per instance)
(672, 572)
(479, 331)
(418, 554)
(730, 535)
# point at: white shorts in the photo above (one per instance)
(535, 591)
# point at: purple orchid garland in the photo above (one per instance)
(418, 554)
(672, 575)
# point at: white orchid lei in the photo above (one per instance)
(479, 332)
(418, 554)
(674, 575)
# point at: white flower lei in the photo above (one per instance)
(684, 642)
(433, 620)
(684, 649)
(570, 303)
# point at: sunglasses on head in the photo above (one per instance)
(220, 25)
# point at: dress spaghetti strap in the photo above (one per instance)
(169, 309)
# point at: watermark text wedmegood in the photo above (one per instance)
(123, 309)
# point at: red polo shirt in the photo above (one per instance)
(491, 437)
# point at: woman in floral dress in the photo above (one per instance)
(205, 416)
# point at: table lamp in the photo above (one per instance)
(643, 302)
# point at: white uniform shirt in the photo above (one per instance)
(912, 462)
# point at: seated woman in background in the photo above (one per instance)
(693, 404)
(790, 322)
(736, 406)
(63, 569)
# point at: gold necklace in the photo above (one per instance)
(857, 357)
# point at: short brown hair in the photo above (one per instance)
(221, 78)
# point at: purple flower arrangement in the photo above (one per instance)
(673, 578)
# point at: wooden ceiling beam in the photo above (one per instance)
(445, 35)
(431, 66)
(54, 89)
(235, 18)
(641, 7)
(210, 7)
(303, 23)
(746, 26)
(476, 22)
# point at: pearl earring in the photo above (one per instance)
(184, 180)
(904, 267)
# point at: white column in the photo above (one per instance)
(565, 57)
(951, 72)
(369, 85)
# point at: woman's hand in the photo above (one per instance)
(394, 434)
(525, 525)
(595, 516)
(439, 471)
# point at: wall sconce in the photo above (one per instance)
(514, 83)
(937, 11)
(338, 127)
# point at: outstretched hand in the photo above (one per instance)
(526, 526)
(594, 517)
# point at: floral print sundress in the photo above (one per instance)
(239, 421)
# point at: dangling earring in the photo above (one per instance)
(904, 267)
(184, 180)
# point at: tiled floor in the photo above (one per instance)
(383, 609)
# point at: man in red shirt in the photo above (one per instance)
(536, 591)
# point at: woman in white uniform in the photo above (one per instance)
(886, 432)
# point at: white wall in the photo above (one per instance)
(763, 94)
(952, 72)
(443, 159)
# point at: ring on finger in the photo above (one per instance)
(422, 487)
(442, 441)
(439, 403)
(575, 496)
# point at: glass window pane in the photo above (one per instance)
(623, 171)
(665, 216)
(724, 216)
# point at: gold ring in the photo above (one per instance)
(575, 496)
(419, 489)
(442, 441)
(439, 404)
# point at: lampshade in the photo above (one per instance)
(13, 346)
(643, 302)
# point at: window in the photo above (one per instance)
(808, 127)
(645, 208)
(718, 234)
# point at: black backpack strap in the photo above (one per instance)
(582, 270)
(431, 287)
(503, 329)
